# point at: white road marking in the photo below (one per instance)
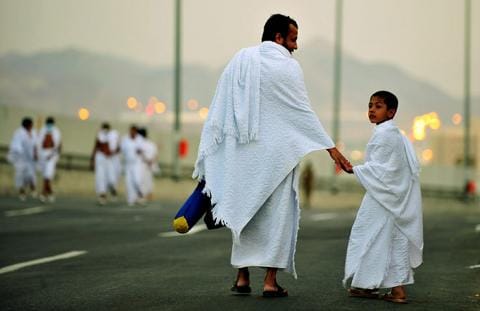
(324, 216)
(27, 211)
(477, 228)
(474, 267)
(172, 234)
(22, 265)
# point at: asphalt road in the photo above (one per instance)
(127, 262)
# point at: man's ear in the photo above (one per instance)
(278, 38)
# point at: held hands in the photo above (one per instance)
(340, 160)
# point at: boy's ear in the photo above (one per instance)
(391, 113)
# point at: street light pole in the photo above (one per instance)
(177, 90)
(337, 81)
(466, 135)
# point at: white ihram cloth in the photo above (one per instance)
(21, 154)
(131, 149)
(48, 157)
(386, 240)
(259, 127)
(103, 165)
(115, 167)
(149, 165)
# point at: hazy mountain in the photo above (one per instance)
(60, 82)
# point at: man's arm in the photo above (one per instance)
(339, 159)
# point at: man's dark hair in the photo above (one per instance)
(143, 132)
(277, 23)
(105, 126)
(50, 120)
(27, 122)
(388, 98)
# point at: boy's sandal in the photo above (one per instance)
(389, 297)
(363, 293)
(280, 292)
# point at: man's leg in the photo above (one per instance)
(270, 285)
(243, 277)
(242, 283)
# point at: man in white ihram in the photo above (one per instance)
(149, 164)
(100, 161)
(49, 147)
(132, 152)
(259, 127)
(22, 154)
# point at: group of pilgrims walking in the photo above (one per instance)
(133, 155)
(139, 155)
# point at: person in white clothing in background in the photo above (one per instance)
(149, 164)
(386, 240)
(100, 162)
(132, 151)
(115, 165)
(23, 155)
(49, 145)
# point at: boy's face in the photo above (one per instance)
(378, 112)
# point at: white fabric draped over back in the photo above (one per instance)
(259, 127)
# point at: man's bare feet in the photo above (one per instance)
(270, 285)
(243, 277)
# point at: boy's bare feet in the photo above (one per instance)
(397, 295)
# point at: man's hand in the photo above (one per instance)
(340, 160)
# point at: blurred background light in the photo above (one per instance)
(132, 103)
(83, 114)
(203, 113)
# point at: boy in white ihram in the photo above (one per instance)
(386, 240)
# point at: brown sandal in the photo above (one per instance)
(363, 293)
(389, 297)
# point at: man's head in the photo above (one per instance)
(133, 131)
(143, 132)
(105, 126)
(383, 106)
(27, 123)
(281, 29)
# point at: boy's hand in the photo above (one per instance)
(339, 159)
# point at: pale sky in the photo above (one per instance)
(422, 37)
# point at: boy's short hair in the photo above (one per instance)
(388, 98)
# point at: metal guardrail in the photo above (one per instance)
(81, 162)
